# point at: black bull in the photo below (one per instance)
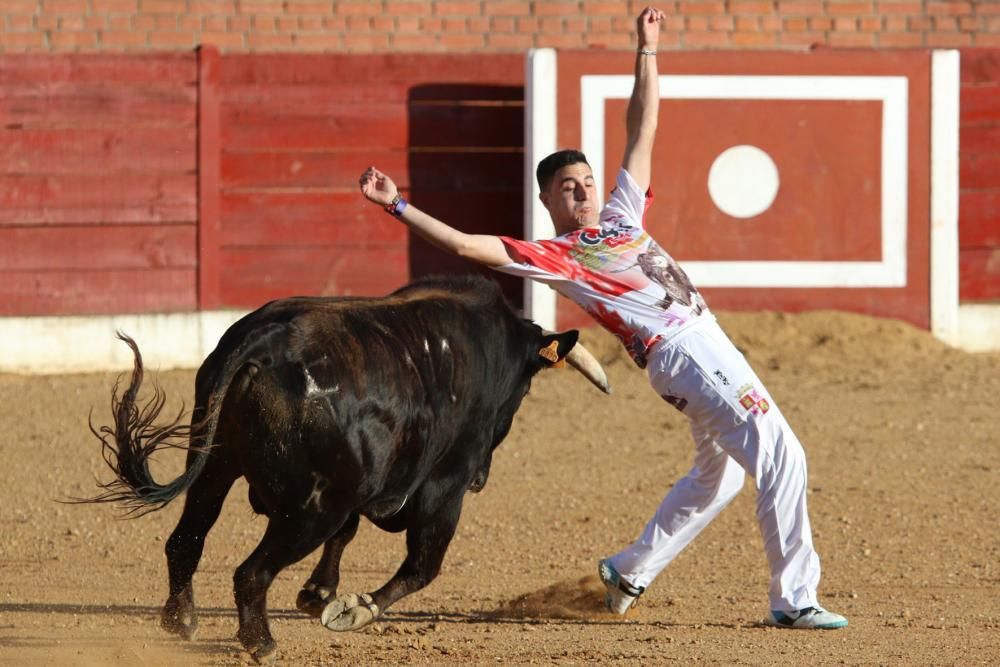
(333, 409)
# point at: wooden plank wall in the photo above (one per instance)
(100, 160)
(979, 176)
(97, 184)
(298, 130)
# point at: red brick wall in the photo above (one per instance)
(359, 26)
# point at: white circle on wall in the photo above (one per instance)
(743, 181)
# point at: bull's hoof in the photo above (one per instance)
(180, 623)
(263, 649)
(349, 612)
(265, 654)
(313, 599)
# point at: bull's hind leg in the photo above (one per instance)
(184, 547)
(427, 541)
(288, 539)
(323, 582)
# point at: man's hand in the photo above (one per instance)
(648, 27)
(377, 187)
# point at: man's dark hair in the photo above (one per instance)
(548, 167)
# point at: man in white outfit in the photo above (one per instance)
(604, 260)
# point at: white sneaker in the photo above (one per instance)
(810, 618)
(621, 595)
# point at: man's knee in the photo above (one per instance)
(719, 480)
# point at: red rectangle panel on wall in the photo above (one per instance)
(821, 122)
(979, 176)
(298, 130)
(792, 133)
(97, 183)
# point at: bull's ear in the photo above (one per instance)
(556, 346)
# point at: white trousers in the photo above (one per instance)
(737, 429)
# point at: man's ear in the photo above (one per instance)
(544, 198)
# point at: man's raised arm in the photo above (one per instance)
(379, 189)
(644, 105)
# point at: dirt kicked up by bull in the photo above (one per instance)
(333, 409)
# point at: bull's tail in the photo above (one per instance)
(135, 438)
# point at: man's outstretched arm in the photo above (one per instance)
(485, 249)
(644, 105)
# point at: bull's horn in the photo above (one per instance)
(582, 360)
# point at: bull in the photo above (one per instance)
(333, 409)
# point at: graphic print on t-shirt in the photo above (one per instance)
(664, 271)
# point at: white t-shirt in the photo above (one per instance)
(616, 272)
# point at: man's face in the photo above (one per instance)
(571, 198)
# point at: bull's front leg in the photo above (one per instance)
(427, 541)
(323, 582)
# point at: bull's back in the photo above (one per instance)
(420, 363)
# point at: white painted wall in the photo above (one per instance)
(82, 344)
(978, 328)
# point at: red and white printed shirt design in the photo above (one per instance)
(616, 272)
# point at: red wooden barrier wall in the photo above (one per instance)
(158, 183)
(979, 176)
(97, 184)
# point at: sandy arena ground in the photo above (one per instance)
(903, 440)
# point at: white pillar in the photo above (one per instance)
(539, 141)
(944, 195)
